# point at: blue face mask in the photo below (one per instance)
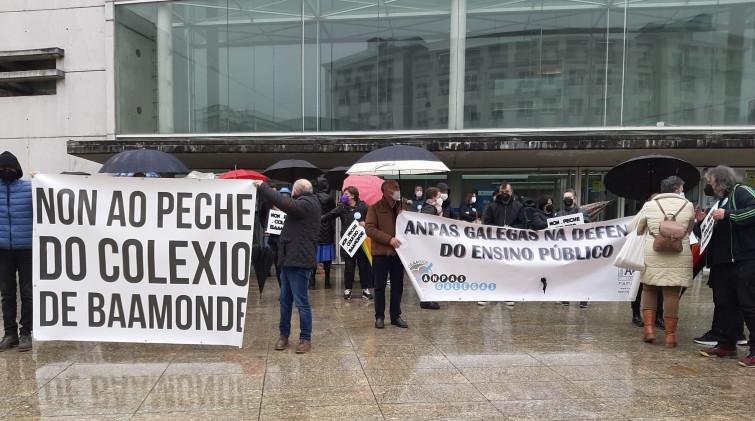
(344, 199)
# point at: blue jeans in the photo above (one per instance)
(294, 283)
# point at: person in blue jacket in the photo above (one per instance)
(16, 219)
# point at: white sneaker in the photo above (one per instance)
(510, 303)
(347, 294)
(482, 303)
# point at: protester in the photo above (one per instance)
(504, 211)
(468, 209)
(297, 257)
(433, 206)
(348, 210)
(448, 210)
(668, 271)
(16, 221)
(273, 239)
(380, 225)
(325, 251)
(731, 259)
(418, 200)
(529, 207)
(571, 207)
(543, 211)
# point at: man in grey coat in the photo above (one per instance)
(297, 256)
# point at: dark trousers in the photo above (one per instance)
(717, 325)
(383, 266)
(12, 262)
(365, 270)
(734, 295)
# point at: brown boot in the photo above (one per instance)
(670, 323)
(303, 346)
(648, 319)
(281, 344)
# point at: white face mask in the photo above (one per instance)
(444, 196)
(396, 195)
(418, 193)
(681, 193)
(439, 201)
(474, 199)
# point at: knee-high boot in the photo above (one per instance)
(670, 322)
(648, 319)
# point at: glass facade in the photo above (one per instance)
(245, 66)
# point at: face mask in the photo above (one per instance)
(504, 197)
(8, 176)
(396, 195)
(708, 190)
(568, 202)
(681, 193)
(439, 201)
(418, 193)
(344, 199)
(549, 208)
(473, 200)
(444, 196)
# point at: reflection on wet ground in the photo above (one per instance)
(531, 361)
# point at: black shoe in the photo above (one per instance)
(24, 343)
(347, 294)
(379, 323)
(709, 338)
(583, 304)
(8, 342)
(659, 323)
(430, 305)
(637, 320)
(327, 283)
(399, 322)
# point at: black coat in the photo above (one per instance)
(297, 245)
(429, 209)
(327, 204)
(538, 220)
(346, 214)
(467, 207)
(733, 237)
(505, 214)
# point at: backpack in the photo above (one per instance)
(670, 233)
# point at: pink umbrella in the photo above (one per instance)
(368, 186)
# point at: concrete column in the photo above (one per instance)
(457, 61)
(165, 67)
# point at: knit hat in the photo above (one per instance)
(442, 186)
(7, 159)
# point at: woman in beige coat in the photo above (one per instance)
(668, 271)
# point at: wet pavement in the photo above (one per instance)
(535, 361)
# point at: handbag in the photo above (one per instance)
(632, 256)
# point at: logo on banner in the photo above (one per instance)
(626, 276)
(420, 268)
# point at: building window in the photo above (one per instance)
(525, 108)
(575, 106)
(443, 116)
(496, 111)
(575, 77)
(443, 87)
(422, 120)
(470, 83)
(550, 105)
(422, 90)
(30, 72)
(644, 81)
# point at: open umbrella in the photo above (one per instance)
(368, 186)
(398, 160)
(640, 177)
(243, 174)
(291, 170)
(143, 161)
(262, 262)
(593, 209)
(336, 176)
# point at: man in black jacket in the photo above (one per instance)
(731, 258)
(297, 256)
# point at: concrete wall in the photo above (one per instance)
(36, 128)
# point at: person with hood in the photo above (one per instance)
(542, 211)
(433, 206)
(571, 207)
(325, 250)
(448, 210)
(468, 209)
(16, 223)
(351, 208)
(297, 257)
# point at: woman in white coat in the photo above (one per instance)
(669, 271)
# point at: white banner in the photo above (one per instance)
(450, 260)
(353, 238)
(565, 221)
(706, 227)
(275, 221)
(141, 259)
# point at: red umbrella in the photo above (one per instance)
(243, 174)
(368, 186)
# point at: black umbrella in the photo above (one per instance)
(336, 176)
(290, 170)
(640, 177)
(262, 261)
(143, 161)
